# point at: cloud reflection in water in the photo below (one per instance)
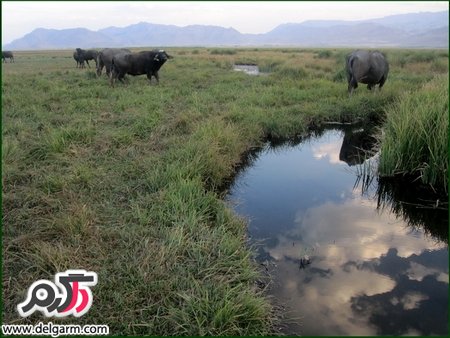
(357, 246)
(370, 272)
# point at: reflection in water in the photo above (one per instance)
(357, 145)
(368, 271)
(250, 69)
(415, 305)
(419, 207)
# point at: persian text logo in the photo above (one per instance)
(69, 295)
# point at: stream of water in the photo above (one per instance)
(346, 256)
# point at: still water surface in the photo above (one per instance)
(248, 69)
(341, 261)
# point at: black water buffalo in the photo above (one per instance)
(104, 59)
(7, 55)
(368, 67)
(146, 62)
(78, 60)
(85, 55)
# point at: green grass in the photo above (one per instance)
(222, 51)
(125, 181)
(415, 140)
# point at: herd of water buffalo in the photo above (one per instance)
(368, 67)
(120, 61)
(117, 61)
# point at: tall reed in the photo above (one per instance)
(415, 140)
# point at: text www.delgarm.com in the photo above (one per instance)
(54, 330)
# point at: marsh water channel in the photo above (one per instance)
(250, 69)
(345, 254)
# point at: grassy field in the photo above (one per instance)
(126, 181)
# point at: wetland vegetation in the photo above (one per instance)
(126, 181)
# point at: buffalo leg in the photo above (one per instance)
(99, 70)
(99, 66)
(382, 81)
(149, 77)
(350, 88)
(112, 77)
(155, 74)
(116, 75)
(122, 78)
(352, 85)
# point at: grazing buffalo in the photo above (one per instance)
(81, 55)
(105, 57)
(78, 60)
(147, 62)
(367, 67)
(7, 55)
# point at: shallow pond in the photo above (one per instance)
(249, 69)
(345, 255)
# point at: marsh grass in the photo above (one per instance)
(125, 181)
(416, 134)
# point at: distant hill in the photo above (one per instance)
(415, 23)
(144, 34)
(405, 30)
(410, 23)
(42, 38)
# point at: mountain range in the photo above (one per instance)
(419, 30)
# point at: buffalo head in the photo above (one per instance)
(161, 55)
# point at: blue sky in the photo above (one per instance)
(22, 17)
